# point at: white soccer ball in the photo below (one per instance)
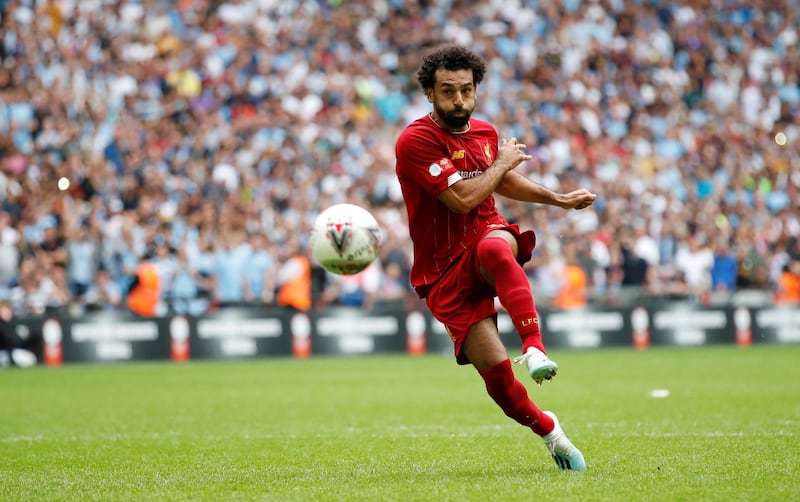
(345, 239)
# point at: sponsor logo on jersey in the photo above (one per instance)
(470, 174)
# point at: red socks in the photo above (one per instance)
(512, 397)
(513, 289)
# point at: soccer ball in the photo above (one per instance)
(345, 239)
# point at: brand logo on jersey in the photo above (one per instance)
(470, 174)
(435, 169)
(458, 154)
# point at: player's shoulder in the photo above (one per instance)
(423, 123)
(419, 128)
(482, 126)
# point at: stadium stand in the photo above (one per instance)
(180, 129)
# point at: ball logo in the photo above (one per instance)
(339, 234)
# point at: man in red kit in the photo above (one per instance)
(465, 251)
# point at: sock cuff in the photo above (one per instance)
(556, 432)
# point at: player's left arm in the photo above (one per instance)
(518, 187)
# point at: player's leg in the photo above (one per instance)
(483, 348)
(498, 266)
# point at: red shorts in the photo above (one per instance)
(461, 297)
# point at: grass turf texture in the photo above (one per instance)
(403, 428)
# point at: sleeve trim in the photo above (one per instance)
(453, 179)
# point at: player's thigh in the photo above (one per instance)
(482, 346)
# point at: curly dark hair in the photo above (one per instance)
(450, 57)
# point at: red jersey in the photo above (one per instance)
(429, 160)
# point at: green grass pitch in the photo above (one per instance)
(404, 428)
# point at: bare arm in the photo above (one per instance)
(465, 195)
(518, 187)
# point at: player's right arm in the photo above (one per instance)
(463, 196)
(423, 159)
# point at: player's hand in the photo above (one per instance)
(512, 153)
(579, 199)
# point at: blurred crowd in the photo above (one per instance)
(203, 137)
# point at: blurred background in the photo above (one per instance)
(201, 138)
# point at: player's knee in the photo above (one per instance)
(495, 253)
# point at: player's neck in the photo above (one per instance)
(440, 125)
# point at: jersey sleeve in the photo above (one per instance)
(424, 160)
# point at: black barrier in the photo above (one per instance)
(237, 332)
(771, 325)
(250, 332)
(110, 336)
(689, 326)
(349, 330)
(586, 328)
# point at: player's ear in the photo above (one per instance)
(429, 94)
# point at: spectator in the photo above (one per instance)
(54, 286)
(144, 296)
(693, 263)
(572, 294)
(164, 259)
(724, 267)
(294, 277)
(788, 292)
(260, 271)
(230, 259)
(188, 287)
(103, 293)
(82, 259)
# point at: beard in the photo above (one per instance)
(454, 119)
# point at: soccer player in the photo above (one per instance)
(465, 251)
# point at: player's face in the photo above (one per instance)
(453, 97)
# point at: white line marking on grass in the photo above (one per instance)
(91, 437)
(630, 430)
(397, 431)
(23, 439)
(411, 431)
(710, 434)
